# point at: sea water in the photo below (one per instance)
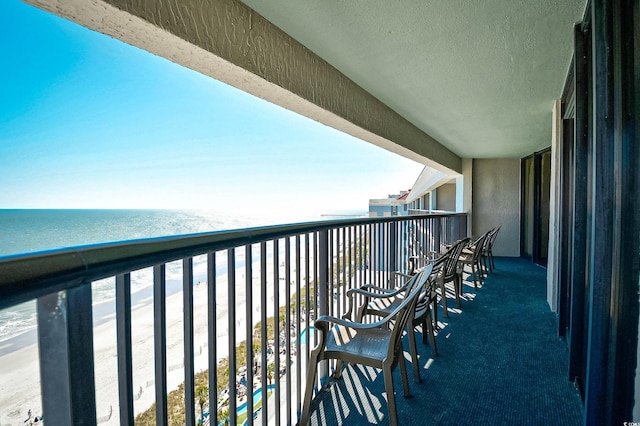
(29, 231)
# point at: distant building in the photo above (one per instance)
(433, 192)
(393, 205)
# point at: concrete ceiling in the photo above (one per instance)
(480, 76)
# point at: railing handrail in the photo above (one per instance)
(27, 276)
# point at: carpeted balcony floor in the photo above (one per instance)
(500, 362)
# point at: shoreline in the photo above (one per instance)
(102, 312)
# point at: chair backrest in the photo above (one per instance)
(427, 295)
(491, 239)
(410, 283)
(406, 309)
(450, 266)
(479, 245)
(416, 257)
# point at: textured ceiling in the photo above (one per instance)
(480, 76)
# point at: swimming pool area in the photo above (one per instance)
(303, 335)
(257, 396)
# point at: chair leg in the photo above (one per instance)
(391, 398)
(424, 327)
(485, 268)
(480, 272)
(428, 326)
(470, 274)
(435, 312)
(473, 271)
(308, 392)
(444, 299)
(414, 352)
(457, 291)
(403, 375)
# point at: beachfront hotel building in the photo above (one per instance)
(528, 108)
(433, 191)
(393, 205)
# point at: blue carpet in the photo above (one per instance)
(500, 362)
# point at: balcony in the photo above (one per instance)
(500, 359)
(500, 362)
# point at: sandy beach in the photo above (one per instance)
(19, 375)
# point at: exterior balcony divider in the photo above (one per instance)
(275, 279)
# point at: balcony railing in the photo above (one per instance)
(290, 272)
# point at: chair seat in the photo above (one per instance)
(472, 255)
(378, 344)
(354, 345)
(383, 307)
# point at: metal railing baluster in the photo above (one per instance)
(329, 282)
(160, 342)
(189, 353)
(287, 328)
(298, 327)
(231, 312)
(323, 290)
(263, 328)
(316, 279)
(342, 287)
(307, 300)
(276, 329)
(376, 253)
(124, 348)
(249, 329)
(212, 336)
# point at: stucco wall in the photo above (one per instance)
(446, 198)
(496, 201)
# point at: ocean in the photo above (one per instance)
(28, 231)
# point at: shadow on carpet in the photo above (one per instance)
(500, 362)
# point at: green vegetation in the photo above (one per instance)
(202, 397)
(175, 398)
(175, 404)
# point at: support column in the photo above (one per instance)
(554, 207)
(65, 341)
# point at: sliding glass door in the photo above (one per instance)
(534, 226)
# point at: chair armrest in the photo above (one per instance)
(366, 293)
(368, 287)
(324, 322)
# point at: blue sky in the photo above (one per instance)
(87, 121)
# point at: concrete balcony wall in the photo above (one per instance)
(446, 199)
(496, 201)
